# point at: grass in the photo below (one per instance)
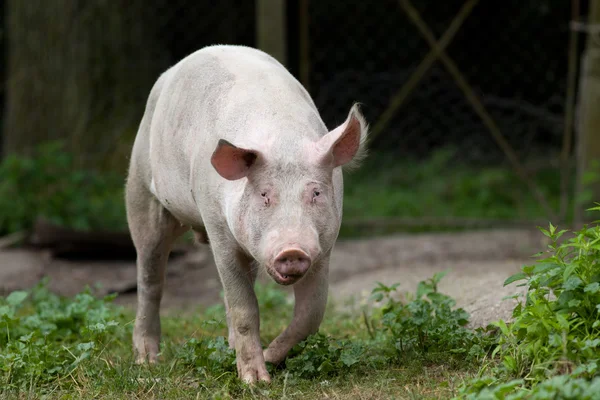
(399, 345)
(63, 358)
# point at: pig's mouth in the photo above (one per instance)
(283, 279)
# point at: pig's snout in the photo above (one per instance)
(291, 265)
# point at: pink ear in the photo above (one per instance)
(344, 142)
(232, 162)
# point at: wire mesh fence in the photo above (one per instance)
(512, 54)
(488, 80)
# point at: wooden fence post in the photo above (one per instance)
(303, 19)
(271, 28)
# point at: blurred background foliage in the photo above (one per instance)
(77, 75)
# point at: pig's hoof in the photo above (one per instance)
(141, 360)
(146, 350)
(273, 358)
(253, 372)
(144, 361)
(146, 358)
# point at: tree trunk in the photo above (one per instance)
(79, 71)
(588, 132)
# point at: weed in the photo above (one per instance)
(44, 337)
(555, 333)
(556, 327)
(322, 356)
(208, 355)
(428, 323)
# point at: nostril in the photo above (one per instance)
(292, 262)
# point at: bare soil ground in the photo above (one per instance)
(478, 261)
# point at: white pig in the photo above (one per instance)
(233, 147)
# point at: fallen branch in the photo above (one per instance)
(12, 239)
(71, 243)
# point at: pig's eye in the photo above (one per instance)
(265, 198)
(316, 193)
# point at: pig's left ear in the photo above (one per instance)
(232, 162)
(346, 144)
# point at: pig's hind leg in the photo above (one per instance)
(153, 230)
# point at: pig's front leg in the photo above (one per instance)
(310, 302)
(243, 317)
(252, 276)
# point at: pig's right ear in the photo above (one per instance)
(232, 162)
(346, 144)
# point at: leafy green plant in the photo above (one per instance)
(48, 184)
(208, 355)
(551, 348)
(557, 326)
(323, 356)
(563, 387)
(44, 336)
(428, 322)
(560, 387)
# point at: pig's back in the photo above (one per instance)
(231, 92)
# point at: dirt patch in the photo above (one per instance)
(479, 262)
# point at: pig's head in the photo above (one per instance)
(288, 214)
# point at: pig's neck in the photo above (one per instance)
(232, 202)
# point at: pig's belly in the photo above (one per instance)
(176, 196)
